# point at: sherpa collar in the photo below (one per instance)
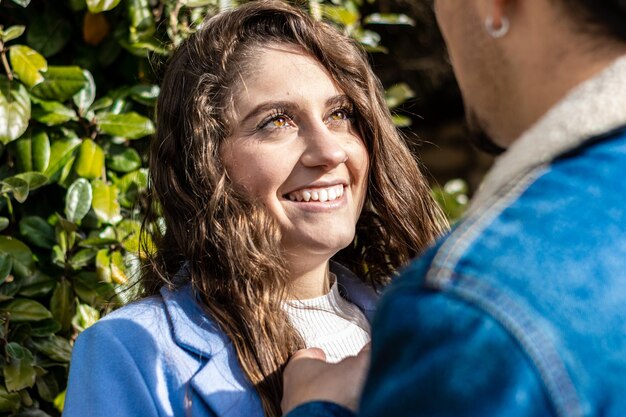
(595, 107)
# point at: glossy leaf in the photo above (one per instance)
(23, 310)
(145, 94)
(36, 231)
(389, 19)
(47, 388)
(17, 186)
(90, 160)
(78, 200)
(123, 160)
(55, 347)
(103, 265)
(14, 110)
(23, 3)
(60, 83)
(86, 96)
(33, 179)
(128, 125)
(36, 285)
(48, 33)
(398, 94)
(61, 152)
(27, 64)
(85, 317)
(6, 264)
(118, 269)
(40, 151)
(23, 148)
(97, 6)
(19, 372)
(4, 223)
(105, 203)
(52, 113)
(82, 258)
(44, 328)
(12, 32)
(20, 253)
(62, 304)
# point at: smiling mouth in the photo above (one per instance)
(322, 194)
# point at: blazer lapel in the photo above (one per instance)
(219, 381)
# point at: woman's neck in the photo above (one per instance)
(310, 281)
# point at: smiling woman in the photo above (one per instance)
(289, 200)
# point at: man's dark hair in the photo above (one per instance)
(602, 17)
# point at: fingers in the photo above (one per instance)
(311, 353)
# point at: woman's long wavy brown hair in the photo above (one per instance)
(231, 246)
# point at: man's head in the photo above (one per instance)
(514, 59)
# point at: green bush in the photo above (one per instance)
(77, 93)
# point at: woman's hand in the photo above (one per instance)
(308, 377)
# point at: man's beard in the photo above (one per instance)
(478, 135)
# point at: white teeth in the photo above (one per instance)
(323, 196)
(320, 194)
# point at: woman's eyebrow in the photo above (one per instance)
(338, 100)
(269, 105)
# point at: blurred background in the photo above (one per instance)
(78, 84)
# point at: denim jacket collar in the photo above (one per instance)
(602, 101)
(220, 381)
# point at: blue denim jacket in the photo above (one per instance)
(521, 310)
(163, 356)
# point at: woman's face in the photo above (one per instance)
(295, 147)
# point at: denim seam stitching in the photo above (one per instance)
(441, 274)
(534, 342)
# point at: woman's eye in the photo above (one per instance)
(340, 116)
(279, 122)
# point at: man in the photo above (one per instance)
(521, 310)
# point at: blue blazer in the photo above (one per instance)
(163, 356)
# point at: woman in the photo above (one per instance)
(274, 153)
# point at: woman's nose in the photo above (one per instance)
(323, 148)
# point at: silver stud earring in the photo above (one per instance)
(499, 32)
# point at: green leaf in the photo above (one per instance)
(47, 388)
(118, 268)
(37, 231)
(60, 83)
(33, 179)
(21, 254)
(22, 3)
(129, 125)
(97, 6)
(78, 200)
(105, 203)
(6, 264)
(44, 328)
(27, 64)
(17, 186)
(23, 148)
(9, 402)
(85, 317)
(4, 223)
(85, 97)
(389, 19)
(82, 258)
(14, 110)
(48, 32)
(103, 265)
(52, 113)
(54, 347)
(23, 310)
(40, 151)
(90, 160)
(59, 401)
(62, 304)
(61, 152)
(123, 159)
(36, 285)
(12, 32)
(145, 94)
(398, 94)
(19, 372)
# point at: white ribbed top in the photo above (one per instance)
(331, 323)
